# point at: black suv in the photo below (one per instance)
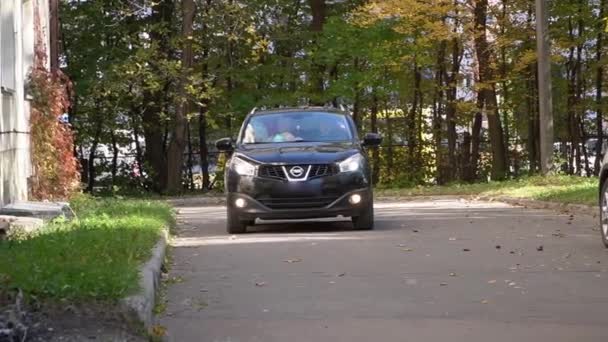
(298, 164)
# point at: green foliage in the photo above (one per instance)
(96, 256)
(125, 60)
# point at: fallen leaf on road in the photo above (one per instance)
(540, 248)
(498, 247)
(512, 252)
(539, 235)
(158, 330)
(452, 274)
(512, 283)
(492, 281)
(415, 230)
(452, 239)
(407, 249)
(401, 245)
(466, 250)
(484, 302)
(260, 284)
(332, 282)
(291, 261)
(443, 284)
(341, 274)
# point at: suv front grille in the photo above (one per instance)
(298, 203)
(271, 171)
(278, 171)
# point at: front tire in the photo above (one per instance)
(234, 225)
(604, 213)
(365, 220)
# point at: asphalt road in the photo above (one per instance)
(431, 271)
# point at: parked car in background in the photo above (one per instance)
(603, 199)
(296, 164)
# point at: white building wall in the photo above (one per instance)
(16, 58)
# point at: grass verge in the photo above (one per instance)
(563, 189)
(93, 257)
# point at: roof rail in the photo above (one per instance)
(253, 110)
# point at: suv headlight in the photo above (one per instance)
(350, 164)
(242, 167)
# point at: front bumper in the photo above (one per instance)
(340, 207)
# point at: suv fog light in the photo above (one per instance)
(355, 199)
(240, 203)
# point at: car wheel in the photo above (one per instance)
(234, 225)
(365, 221)
(604, 213)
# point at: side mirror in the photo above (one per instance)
(224, 144)
(372, 140)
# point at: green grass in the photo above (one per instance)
(95, 256)
(564, 189)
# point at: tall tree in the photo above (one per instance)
(487, 90)
(599, 86)
(175, 153)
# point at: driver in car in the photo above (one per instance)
(284, 131)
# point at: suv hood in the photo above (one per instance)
(299, 153)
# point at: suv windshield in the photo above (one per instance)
(297, 127)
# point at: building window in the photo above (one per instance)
(8, 36)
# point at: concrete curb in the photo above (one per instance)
(139, 307)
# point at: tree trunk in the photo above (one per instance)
(357, 103)
(505, 89)
(465, 157)
(93, 151)
(471, 175)
(487, 90)
(162, 13)
(190, 161)
(115, 153)
(177, 144)
(412, 138)
(204, 109)
(573, 128)
(440, 160)
(91, 166)
(136, 134)
(584, 149)
(319, 15)
(531, 111)
(389, 150)
(599, 83)
(375, 151)
(580, 113)
(451, 108)
(54, 32)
